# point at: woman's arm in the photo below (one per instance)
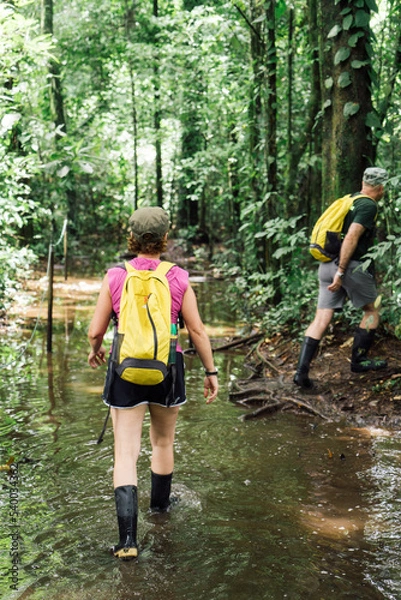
(200, 339)
(99, 325)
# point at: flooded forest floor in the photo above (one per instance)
(372, 398)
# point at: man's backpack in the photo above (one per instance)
(326, 238)
(144, 326)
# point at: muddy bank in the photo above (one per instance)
(361, 399)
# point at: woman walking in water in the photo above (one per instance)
(129, 401)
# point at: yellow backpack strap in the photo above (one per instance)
(164, 267)
(129, 268)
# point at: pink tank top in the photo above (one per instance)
(176, 277)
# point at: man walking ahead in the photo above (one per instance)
(344, 278)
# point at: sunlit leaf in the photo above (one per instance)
(358, 64)
(353, 39)
(347, 22)
(344, 79)
(63, 172)
(334, 31)
(351, 108)
(341, 55)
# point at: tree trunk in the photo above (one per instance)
(58, 115)
(309, 140)
(347, 140)
(192, 141)
(157, 116)
(387, 101)
(129, 26)
(255, 104)
(270, 142)
(55, 90)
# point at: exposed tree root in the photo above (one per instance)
(237, 343)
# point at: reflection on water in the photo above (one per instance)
(282, 507)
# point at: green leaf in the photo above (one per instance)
(328, 83)
(9, 120)
(344, 79)
(86, 167)
(260, 19)
(280, 9)
(372, 119)
(353, 39)
(341, 55)
(347, 22)
(350, 108)
(358, 64)
(334, 31)
(63, 172)
(371, 4)
(362, 18)
(369, 49)
(327, 103)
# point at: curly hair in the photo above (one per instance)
(146, 246)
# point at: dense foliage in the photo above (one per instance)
(242, 118)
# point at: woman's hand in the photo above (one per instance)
(95, 359)
(210, 388)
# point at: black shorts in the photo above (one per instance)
(124, 394)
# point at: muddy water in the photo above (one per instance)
(282, 507)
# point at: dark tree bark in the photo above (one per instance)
(55, 89)
(192, 142)
(347, 140)
(270, 138)
(387, 101)
(129, 28)
(58, 115)
(309, 139)
(157, 116)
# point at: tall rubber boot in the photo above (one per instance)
(308, 352)
(363, 341)
(126, 497)
(160, 492)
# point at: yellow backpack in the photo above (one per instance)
(144, 326)
(326, 238)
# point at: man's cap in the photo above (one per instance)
(149, 223)
(375, 176)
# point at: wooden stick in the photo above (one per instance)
(267, 408)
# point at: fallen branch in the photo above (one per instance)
(267, 408)
(264, 360)
(306, 406)
(251, 400)
(245, 393)
(233, 344)
(241, 342)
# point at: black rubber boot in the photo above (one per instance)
(363, 341)
(126, 497)
(308, 352)
(160, 492)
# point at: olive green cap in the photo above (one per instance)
(150, 223)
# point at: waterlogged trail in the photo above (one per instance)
(282, 507)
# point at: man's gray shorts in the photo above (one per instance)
(358, 285)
